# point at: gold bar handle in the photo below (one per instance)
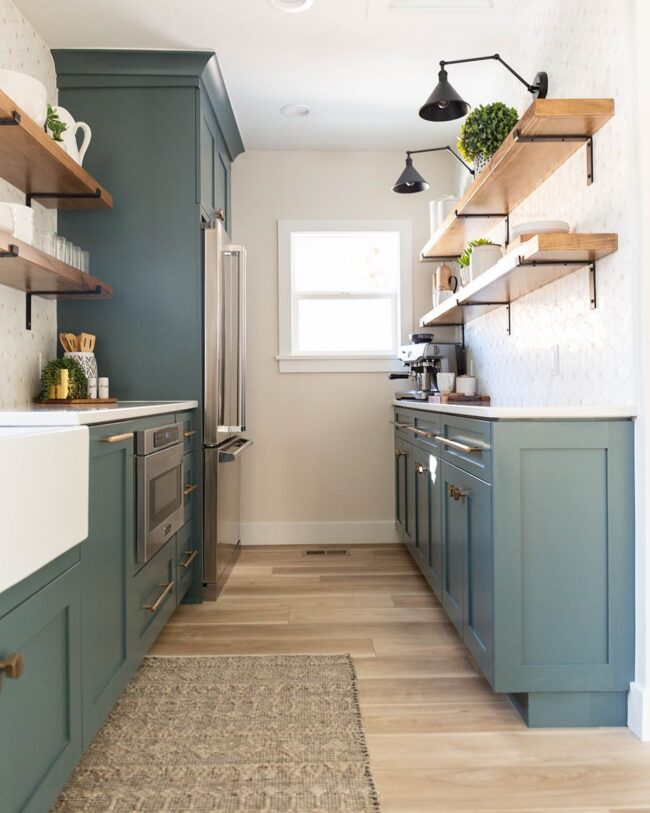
(422, 433)
(12, 667)
(189, 489)
(399, 453)
(399, 425)
(191, 556)
(461, 447)
(118, 438)
(156, 604)
(189, 433)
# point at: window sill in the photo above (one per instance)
(338, 364)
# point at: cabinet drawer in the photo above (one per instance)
(467, 444)
(188, 420)
(190, 485)
(427, 430)
(187, 559)
(152, 598)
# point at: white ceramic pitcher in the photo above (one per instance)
(69, 135)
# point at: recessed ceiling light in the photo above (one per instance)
(291, 5)
(295, 111)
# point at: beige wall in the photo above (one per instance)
(321, 468)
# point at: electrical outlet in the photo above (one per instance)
(555, 359)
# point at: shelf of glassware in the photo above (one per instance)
(531, 263)
(546, 136)
(28, 269)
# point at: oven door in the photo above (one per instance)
(160, 500)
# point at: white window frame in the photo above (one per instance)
(290, 362)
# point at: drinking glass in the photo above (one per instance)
(60, 247)
(75, 256)
(48, 242)
(85, 262)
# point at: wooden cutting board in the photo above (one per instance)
(76, 401)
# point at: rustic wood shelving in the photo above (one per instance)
(532, 262)
(557, 127)
(31, 161)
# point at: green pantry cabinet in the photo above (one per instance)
(524, 531)
(82, 624)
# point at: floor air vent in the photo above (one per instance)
(327, 552)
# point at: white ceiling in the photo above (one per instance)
(363, 69)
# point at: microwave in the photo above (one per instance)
(159, 488)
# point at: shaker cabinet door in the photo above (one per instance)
(40, 713)
(454, 535)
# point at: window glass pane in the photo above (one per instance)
(345, 261)
(337, 325)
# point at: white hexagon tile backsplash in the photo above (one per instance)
(586, 55)
(21, 49)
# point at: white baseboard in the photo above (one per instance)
(317, 533)
(638, 711)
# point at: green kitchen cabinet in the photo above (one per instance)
(428, 514)
(537, 554)
(106, 557)
(404, 490)
(40, 710)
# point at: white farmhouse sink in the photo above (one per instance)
(43, 497)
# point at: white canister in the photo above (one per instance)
(92, 388)
(102, 387)
(466, 385)
(446, 381)
(439, 209)
(482, 258)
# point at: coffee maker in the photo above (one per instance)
(424, 360)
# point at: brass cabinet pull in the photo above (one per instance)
(189, 433)
(189, 489)
(457, 493)
(399, 425)
(154, 606)
(420, 469)
(118, 438)
(12, 667)
(399, 453)
(422, 433)
(191, 556)
(461, 447)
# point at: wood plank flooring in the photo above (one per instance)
(439, 739)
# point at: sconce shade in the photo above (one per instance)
(410, 180)
(444, 103)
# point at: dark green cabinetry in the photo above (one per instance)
(40, 711)
(106, 557)
(524, 529)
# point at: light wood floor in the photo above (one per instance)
(439, 739)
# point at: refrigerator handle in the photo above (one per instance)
(240, 253)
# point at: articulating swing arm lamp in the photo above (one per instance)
(411, 181)
(446, 104)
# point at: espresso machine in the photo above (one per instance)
(424, 359)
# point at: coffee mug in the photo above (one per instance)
(466, 385)
(446, 381)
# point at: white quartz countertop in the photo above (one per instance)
(521, 413)
(35, 415)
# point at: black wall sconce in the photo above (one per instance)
(411, 181)
(446, 104)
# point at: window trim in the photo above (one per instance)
(290, 362)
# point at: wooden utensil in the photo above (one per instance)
(72, 341)
(63, 338)
(86, 342)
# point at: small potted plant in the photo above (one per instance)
(483, 132)
(55, 125)
(477, 257)
(51, 380)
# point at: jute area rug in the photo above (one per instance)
(228, 735)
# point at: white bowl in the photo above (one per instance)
(28, 93)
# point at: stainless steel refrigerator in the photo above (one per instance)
(224, 418)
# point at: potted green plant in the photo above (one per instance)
(55, 125)
(477, 257)
(51, 376)
(484, 130)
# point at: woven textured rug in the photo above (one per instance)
(230, 735)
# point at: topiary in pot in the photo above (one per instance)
(77, 378)
(484, 130)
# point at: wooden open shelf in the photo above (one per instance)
(510, 279)
(34, 271)
(517, 169)
(37, 165)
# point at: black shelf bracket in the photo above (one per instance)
(591, 264)
(12, 251)
(504, 215)
(63, 195)
(533, 139)
(481, 304)
(440, 258)
(96, 291)
(12, 121)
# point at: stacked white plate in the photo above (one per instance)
(540, 227)
(28, 93)
(17, 220)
